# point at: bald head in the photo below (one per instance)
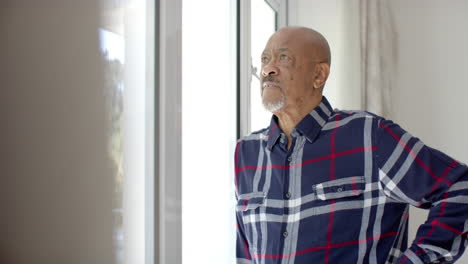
(295, 67)
(310, 41)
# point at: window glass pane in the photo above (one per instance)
(263, 21)
(208, 131)
(126, 48)
(112, 52)
(76, 108)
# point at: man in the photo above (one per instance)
(329, 186)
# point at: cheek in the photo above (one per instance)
(291, 73)
(309, 80)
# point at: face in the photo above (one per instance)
(287, 73)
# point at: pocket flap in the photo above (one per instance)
(343, 187)
(250, 201)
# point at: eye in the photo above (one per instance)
(264, 59)
(284, 57)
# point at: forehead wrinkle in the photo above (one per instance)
(277, 50)
(306, 43)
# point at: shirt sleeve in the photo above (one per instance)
(411, 172)
(242, 246)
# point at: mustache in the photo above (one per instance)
(268, 78)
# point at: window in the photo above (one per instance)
(208, 131)
(259, 20)
(126, 41)
(263, 25)
(198, 127)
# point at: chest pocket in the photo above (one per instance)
(250, 201)
(346, 195)
(339, 188)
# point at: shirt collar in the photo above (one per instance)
(309, 127)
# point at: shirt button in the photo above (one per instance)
(289, 158)
(288, 195)
(340, 189)
(285, 234)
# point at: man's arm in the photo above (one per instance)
(242, 246)
(412, 172)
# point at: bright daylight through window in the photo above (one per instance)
(208, 131)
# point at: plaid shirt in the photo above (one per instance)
(341, 193)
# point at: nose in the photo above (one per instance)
(269, 70)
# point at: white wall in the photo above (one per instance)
(338, 21)
(432, 82)
(430, 92)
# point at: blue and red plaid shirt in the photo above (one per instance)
(342, 191)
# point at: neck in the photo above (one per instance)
(289, 117)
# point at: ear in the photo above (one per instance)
(322, 70)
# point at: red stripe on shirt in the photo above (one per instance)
(332, 177)
(445, 173)
(305, 162)
(416, 158)
(323, 247)
(236, 165)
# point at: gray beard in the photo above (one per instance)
(274, 106)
